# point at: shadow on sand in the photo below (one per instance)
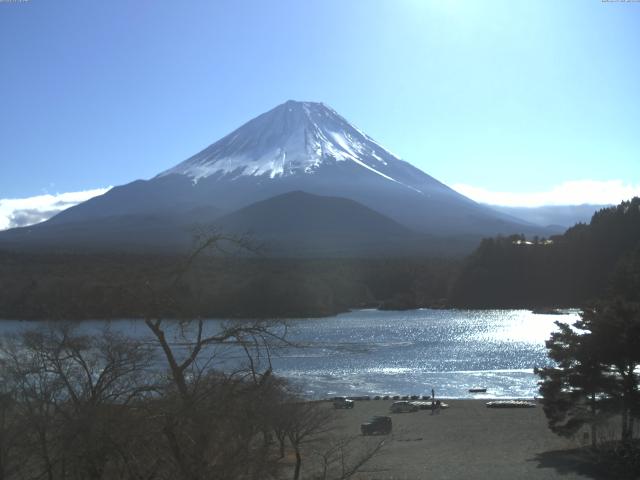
(579, 461)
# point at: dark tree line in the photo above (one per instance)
(565, 270)
(65, 286)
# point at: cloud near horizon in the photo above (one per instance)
(21, 212)
(577, 192)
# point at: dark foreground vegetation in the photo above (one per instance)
(188, 401)
(593, 390)
(110, 407)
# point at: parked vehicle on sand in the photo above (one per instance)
(377, 425)
(342, 402)
(403, 406)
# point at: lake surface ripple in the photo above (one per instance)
(371, 352)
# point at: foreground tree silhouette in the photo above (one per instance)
(305, 420)
(206, 418)
(616, 326)
(596, 375)
(200, 402)
(572, 392)
(71, 400)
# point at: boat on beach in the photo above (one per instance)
(427, 405)
(511, 404)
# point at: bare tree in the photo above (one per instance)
(309, 428)
(211, 410)
(10, 434)
(343, 457)
(200, 401)
(70, 393)
(306, 420)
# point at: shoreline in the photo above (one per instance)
(556, 311)
(358, 399)
(466, 441)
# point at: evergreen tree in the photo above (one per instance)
(574, 392)
(616, 327)
(596, 374)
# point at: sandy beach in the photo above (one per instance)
(466, 441)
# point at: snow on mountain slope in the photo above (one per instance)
(292, 139)
(295, 147)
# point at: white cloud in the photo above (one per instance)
(576, 192)
(20, 212)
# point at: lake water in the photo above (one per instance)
(370, 352)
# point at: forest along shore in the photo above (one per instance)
(466, 441)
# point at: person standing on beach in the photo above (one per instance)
(433, 401)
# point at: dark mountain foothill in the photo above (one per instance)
(296, 147)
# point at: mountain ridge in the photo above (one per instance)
(297, 146)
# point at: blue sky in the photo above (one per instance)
(512, 97)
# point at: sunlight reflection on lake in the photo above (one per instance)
(370, 352)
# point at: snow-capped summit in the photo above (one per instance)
(302, 147)
(291, 139)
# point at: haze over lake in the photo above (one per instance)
(370, 352)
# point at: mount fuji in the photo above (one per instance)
(295, 147)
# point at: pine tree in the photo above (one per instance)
(574, 392)
(596, 370)
(615, 325)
